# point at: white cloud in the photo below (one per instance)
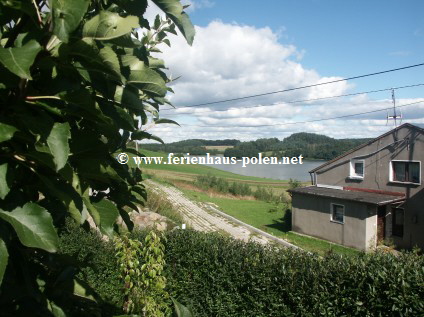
(231, 60)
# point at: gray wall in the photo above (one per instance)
(312, 216)
(376, 176)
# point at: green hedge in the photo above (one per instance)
(219, 276)
(224, 277)
(98, 267)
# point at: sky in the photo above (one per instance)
(244, 48)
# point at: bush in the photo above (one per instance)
(221, 185)
(97, 265)
(220, 276)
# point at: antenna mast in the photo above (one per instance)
(395, 116)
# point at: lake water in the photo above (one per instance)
(284, 172)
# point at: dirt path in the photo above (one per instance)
(204, 217)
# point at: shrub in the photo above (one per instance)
(97, 265)
(220, 276)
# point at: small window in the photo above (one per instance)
(406, 172)
(337, 213)
(398, 215)
(357, 168)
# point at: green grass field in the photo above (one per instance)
(189, 172)
(256, 213)
(252, 212)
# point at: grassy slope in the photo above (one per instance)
(256, 213)
(197, 169)
(253, 212)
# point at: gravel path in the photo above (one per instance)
(204, 217)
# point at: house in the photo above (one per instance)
(367, 195)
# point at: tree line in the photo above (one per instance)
(310, 145)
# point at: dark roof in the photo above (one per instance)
(367, 143)
(365, 197)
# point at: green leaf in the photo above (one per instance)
(156, 62)
(55, 310)
(91, 209)
(158, 121)
(66, 16)
(107, 25)
(143, 77)
(126, 41)
(19, 59)
(133, 7)
(20, 5)
(58, 143)
(67, 195)
(6, 132)
(174, 10)
(110, 58)
(181, 310)
(108, 215)
(140, 135)
(104, 62)
(81, 291)
(4, 257)
(33, 225)
(120, 116)
(4, 186)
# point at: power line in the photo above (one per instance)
(303, 87)
(299, 101)
(300, 122)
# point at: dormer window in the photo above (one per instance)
(408, 172)
(357, 169)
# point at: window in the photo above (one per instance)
(398, 215)
(357, 168)
(406, 172)
(337, 213)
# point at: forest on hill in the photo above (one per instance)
(309, 145)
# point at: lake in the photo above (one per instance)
(284, 172)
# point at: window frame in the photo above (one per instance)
(352, 173)
(332, 212)
(392, 172)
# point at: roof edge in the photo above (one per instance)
(365, 144)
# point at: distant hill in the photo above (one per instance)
(310, 145)
(316, 146)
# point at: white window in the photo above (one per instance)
(337, 213)
(405, 172)
(357, 169)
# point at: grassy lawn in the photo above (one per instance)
(190, 171)
(252, 212)
(256, 213)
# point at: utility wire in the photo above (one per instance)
(297, 101)
(300, 122)
(303, 87)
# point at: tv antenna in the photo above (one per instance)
(395, 115)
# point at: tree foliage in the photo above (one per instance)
(309, 145)
(75, 76)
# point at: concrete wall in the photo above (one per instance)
(377, 156)
(377, 165)
(312, 216)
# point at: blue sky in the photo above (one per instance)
(249, 47)
(343, 38)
